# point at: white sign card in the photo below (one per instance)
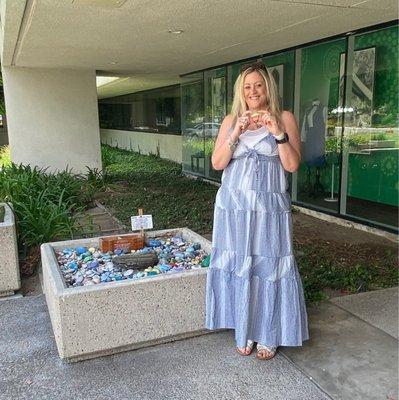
(141, 222)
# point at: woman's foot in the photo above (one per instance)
(265, 352)
(246, 351)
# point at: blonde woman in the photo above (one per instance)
(253, 284)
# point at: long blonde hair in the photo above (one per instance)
(272, 101)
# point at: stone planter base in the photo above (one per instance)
(9, 268)
(92, 321)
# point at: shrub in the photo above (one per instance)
(45, 204)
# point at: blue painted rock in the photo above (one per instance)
(153, 243)
(196, 246)
(73, 266)
(118, 252)
(118, 276)
(93, 265)
(80, 250)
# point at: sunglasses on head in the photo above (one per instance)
(253, 66)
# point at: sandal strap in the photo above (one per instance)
(267, 348)
(250, 344)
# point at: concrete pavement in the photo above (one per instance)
(348, 357)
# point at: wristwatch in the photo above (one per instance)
(283, 138)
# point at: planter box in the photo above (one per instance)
(92, 321)
(9, 268)
(378, 144)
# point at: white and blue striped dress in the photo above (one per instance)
(253, 284)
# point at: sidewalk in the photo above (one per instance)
(346, 358)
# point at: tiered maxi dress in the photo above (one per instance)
(253, 283)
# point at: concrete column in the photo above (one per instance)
(52, 117)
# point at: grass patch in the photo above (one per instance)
(321, 270)
(159, 187)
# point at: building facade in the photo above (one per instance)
(343, 91)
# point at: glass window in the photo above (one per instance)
(215, 111)
(156, 111)
(320, 125)
(371, 141)
(193, 119)
(282, 67)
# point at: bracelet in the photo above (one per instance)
(283, 138)
(232, 145)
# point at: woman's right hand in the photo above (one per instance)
(242, 124)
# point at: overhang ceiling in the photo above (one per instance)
(131, 38)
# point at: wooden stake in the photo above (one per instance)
(142, 230)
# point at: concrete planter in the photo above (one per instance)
(9, 268)
(92, 321)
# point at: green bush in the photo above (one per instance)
(44, 203)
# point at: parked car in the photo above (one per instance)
(204, 129)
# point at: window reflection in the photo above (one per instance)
(156, 111)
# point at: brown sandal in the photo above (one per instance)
(265, 352)
(246, 351)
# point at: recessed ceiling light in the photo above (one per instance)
(176, 31)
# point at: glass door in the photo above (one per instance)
(369, 187)
(320, 123)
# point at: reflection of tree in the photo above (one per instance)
(195, 145)
(192, 104)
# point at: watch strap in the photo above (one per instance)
(283, 140)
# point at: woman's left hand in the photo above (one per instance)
(271, 123)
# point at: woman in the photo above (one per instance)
(253, 284)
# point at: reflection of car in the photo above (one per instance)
(207, 129)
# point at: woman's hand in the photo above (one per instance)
(242, 123)
(271, 123)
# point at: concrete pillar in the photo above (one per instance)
(52, 117)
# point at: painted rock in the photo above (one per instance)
(72, 266)
(206, 261)
(78, 277)
(80, 250)
(153, 243)
(93, 264)
(196, 246)
(118, 252)
(129, 273)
